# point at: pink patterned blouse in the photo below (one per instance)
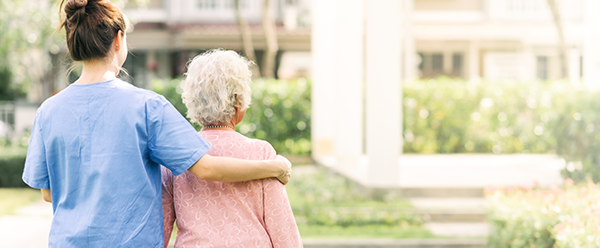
(216, 214)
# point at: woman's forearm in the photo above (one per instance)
(236, 170)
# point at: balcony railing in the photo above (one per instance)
(7, 118)
(534, 9)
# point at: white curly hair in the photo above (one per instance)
(216, 82)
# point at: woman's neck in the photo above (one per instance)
(223, 126)
(97, 71)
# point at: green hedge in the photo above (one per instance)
(279, 112)
(557, 217)
(12, 162)
(455, 116)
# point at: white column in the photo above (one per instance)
(348, 59)
(591, 47)
(473, 60)
(323, 74)
(383, 91)
(410, 52)
(574, 65)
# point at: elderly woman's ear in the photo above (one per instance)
(239, 115)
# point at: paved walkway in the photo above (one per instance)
(28, 228)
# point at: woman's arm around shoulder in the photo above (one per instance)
(226, 169)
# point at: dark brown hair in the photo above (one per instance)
(91, 27)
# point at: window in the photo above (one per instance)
(421, 61)
(457, 64)
(207, 4)
(230, 4)
(136, 67)
(431, 64)
(542, 68)
(437, 62)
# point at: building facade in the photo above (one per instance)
(168, 33)
(496, 39)
(492, 39)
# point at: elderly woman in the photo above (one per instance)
(220, 214)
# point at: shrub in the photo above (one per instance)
(455, 116)
(556, 217)
(577, 130)
(320, 197)
(12, 162)
(279, 112)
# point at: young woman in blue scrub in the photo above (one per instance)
(97, 146)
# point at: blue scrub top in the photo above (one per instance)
(99, 147)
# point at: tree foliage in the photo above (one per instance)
(8, 91)
(26, 41)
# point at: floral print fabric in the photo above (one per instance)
(217, 214)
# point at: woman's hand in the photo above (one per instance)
(287, 167)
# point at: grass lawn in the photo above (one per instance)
(368, 231)
(327, 205)
(12, 199)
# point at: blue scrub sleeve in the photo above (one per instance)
(173, 142)
(35, 173)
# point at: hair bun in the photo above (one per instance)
(75, 10)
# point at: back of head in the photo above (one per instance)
(91, 27)
(216, 83)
